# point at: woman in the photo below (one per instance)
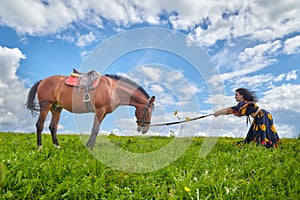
(262, 129)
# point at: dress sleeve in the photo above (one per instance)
(237, 109)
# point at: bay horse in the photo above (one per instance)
(112, 91)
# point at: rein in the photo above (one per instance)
(182, 121)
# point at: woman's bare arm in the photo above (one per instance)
(225, 111)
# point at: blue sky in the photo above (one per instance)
(252, 44)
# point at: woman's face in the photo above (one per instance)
(239, 97)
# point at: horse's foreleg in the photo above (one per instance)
(95, 130)
(53, 125)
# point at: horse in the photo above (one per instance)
(112, 91)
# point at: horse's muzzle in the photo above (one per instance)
(144, 129)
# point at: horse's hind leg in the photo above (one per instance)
(40, 126)
(53, 125)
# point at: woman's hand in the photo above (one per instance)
(217, 113)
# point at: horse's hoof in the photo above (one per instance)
(89, 146)
(57, 146)
(39, 148)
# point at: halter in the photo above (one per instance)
(143, 121)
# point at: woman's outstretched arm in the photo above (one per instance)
(225, 111)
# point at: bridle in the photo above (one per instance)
(142, 122)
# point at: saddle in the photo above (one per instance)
(87, 81)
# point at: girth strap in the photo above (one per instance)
(89, 106)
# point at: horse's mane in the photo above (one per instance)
(130, 82)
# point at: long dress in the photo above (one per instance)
(262, 130)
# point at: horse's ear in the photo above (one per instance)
(152, 100)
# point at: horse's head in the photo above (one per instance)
(143, 115)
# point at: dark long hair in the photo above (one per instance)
(247, 94)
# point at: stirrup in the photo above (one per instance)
(86, 97)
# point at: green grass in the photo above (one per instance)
(227, 172)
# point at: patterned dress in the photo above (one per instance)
(262, 130)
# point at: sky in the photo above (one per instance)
(191, 55)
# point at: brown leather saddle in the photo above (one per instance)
(87, 81)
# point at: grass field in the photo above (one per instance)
(227, 172)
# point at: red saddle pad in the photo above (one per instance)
(74, 81)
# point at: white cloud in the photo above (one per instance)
(206, 23)
(279, 78)
(35, 18)
(9, 63)
(286, 130)
(260, 52)
(259, 20)
(256, 58)
(170, 86)
(84, 55)
(85, 40)
(262, 80)
(151, 73)
(40, 18)
(292, 45)
(95, 20)
(250, 60)
(209, 21)
(66, 37)
(254, 81)
(13, 92)
(292, 75)
(284, 97)
(157, 88)
(220, 101)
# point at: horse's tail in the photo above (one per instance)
(31, 104)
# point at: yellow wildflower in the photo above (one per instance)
(171, 191)
(187, 189)
(176, 112)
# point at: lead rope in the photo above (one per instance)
(183, 121)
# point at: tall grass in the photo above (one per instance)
(227, 172)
